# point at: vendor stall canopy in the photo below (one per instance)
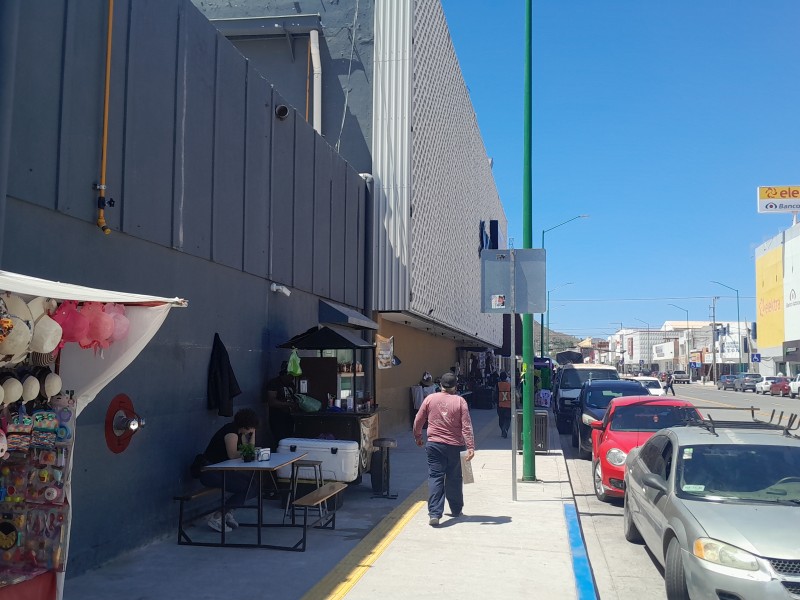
(84, 370)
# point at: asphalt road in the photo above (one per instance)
(625, 571)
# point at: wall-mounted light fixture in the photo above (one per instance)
(280, 288)
(121, 423)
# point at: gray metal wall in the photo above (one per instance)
(215, 198)
(346, 81)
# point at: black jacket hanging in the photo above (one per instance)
(222, 384)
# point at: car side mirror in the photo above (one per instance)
(656, 482)
(596, 425)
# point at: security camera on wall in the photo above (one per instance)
(281, 288)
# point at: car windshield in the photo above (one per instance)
(644, 417)
(573, 379)
(653, 385)
(600, 397)
(740, 472)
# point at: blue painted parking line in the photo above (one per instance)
(584, 582)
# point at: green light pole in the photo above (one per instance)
(528, 455)
(541, 317)
(738, 323)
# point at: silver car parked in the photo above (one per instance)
(718, 504)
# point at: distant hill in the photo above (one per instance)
(558, 341)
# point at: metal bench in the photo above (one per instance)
(183, 537)
(315, 499)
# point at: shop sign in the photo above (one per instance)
(778, 199)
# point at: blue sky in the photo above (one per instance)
(657, 119)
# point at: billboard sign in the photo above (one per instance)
(769, 298)
(778, 199)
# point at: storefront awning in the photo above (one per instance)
(331, 313)
(328, 338)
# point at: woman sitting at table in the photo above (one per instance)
(224, 445)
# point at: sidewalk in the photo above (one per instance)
(385, 548)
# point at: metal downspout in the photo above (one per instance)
(315, 60)
(369, 292)
(9, 26)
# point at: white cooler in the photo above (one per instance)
(339, 458)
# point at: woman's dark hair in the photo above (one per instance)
(245, 418)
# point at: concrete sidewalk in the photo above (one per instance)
(385, 548)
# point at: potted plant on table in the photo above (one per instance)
(248, 452)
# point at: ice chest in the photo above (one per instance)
(339, 458)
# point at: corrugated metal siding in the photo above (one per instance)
(391, 153)
(453, 185)
(221, 163)
(197, 159)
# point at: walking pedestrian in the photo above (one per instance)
(449, 433)
(668, 385)
(504, 403)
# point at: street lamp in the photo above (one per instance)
(541, 317)
(738, 323)
(621, 342)
(649, 348)
(548, 317)
(686, 310)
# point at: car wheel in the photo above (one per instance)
(792, 395)
(628, 526)
(582, 452)
(575, 439)
(674, 577)
(599, 491)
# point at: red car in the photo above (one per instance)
(780, 387)
(628, 423)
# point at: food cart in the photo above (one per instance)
(335, 377)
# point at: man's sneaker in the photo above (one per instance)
(215, 522)
(456, 515)
(434, 521)
(230, 521)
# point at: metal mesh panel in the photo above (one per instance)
(452, 185)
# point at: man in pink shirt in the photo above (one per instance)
(449, 432)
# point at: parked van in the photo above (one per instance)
(572, 378)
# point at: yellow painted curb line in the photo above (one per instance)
(358, 561)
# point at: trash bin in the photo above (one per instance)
(540, 432)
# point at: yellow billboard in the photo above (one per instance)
(769, 298)
(779, 199)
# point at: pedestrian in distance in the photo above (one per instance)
(449, 433)
(668, 385)
(504, 403)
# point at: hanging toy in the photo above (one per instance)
(74, 325)
(101, 326)
(121, 322)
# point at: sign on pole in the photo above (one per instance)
(778, 199)
(756, 357)
(530, 295)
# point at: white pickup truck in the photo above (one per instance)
(680, 377)
(794, 387)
